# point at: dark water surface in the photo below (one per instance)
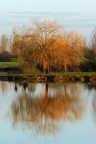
(33, 113)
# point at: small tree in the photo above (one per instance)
(4, 43)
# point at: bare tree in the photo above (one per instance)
(4, 43)
(92, 46)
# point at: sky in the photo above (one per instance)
(75, 6)
(76, 15)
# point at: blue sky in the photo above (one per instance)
(76, 6)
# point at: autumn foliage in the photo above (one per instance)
(48, 45)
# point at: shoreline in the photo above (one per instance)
(56, 77)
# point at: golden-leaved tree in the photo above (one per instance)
(47, 44)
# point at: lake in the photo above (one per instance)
(51, 113)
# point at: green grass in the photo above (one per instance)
(9, 64)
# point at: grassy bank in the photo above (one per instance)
(77, 73)
(14, 63)
(54, 77)
(50, 74)
(11, 70)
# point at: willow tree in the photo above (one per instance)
(77, 45)
(46, 43)
(69, 50)
(35, 44)
(24, 46)
(63, 53)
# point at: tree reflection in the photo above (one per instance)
(3, 86)
(94, 106)
(55, 103)
(92, 92)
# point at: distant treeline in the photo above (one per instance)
(46, 46)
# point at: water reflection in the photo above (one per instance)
(45, 109)
(45, 105)
(3, 87)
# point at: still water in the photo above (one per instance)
(36, 113)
